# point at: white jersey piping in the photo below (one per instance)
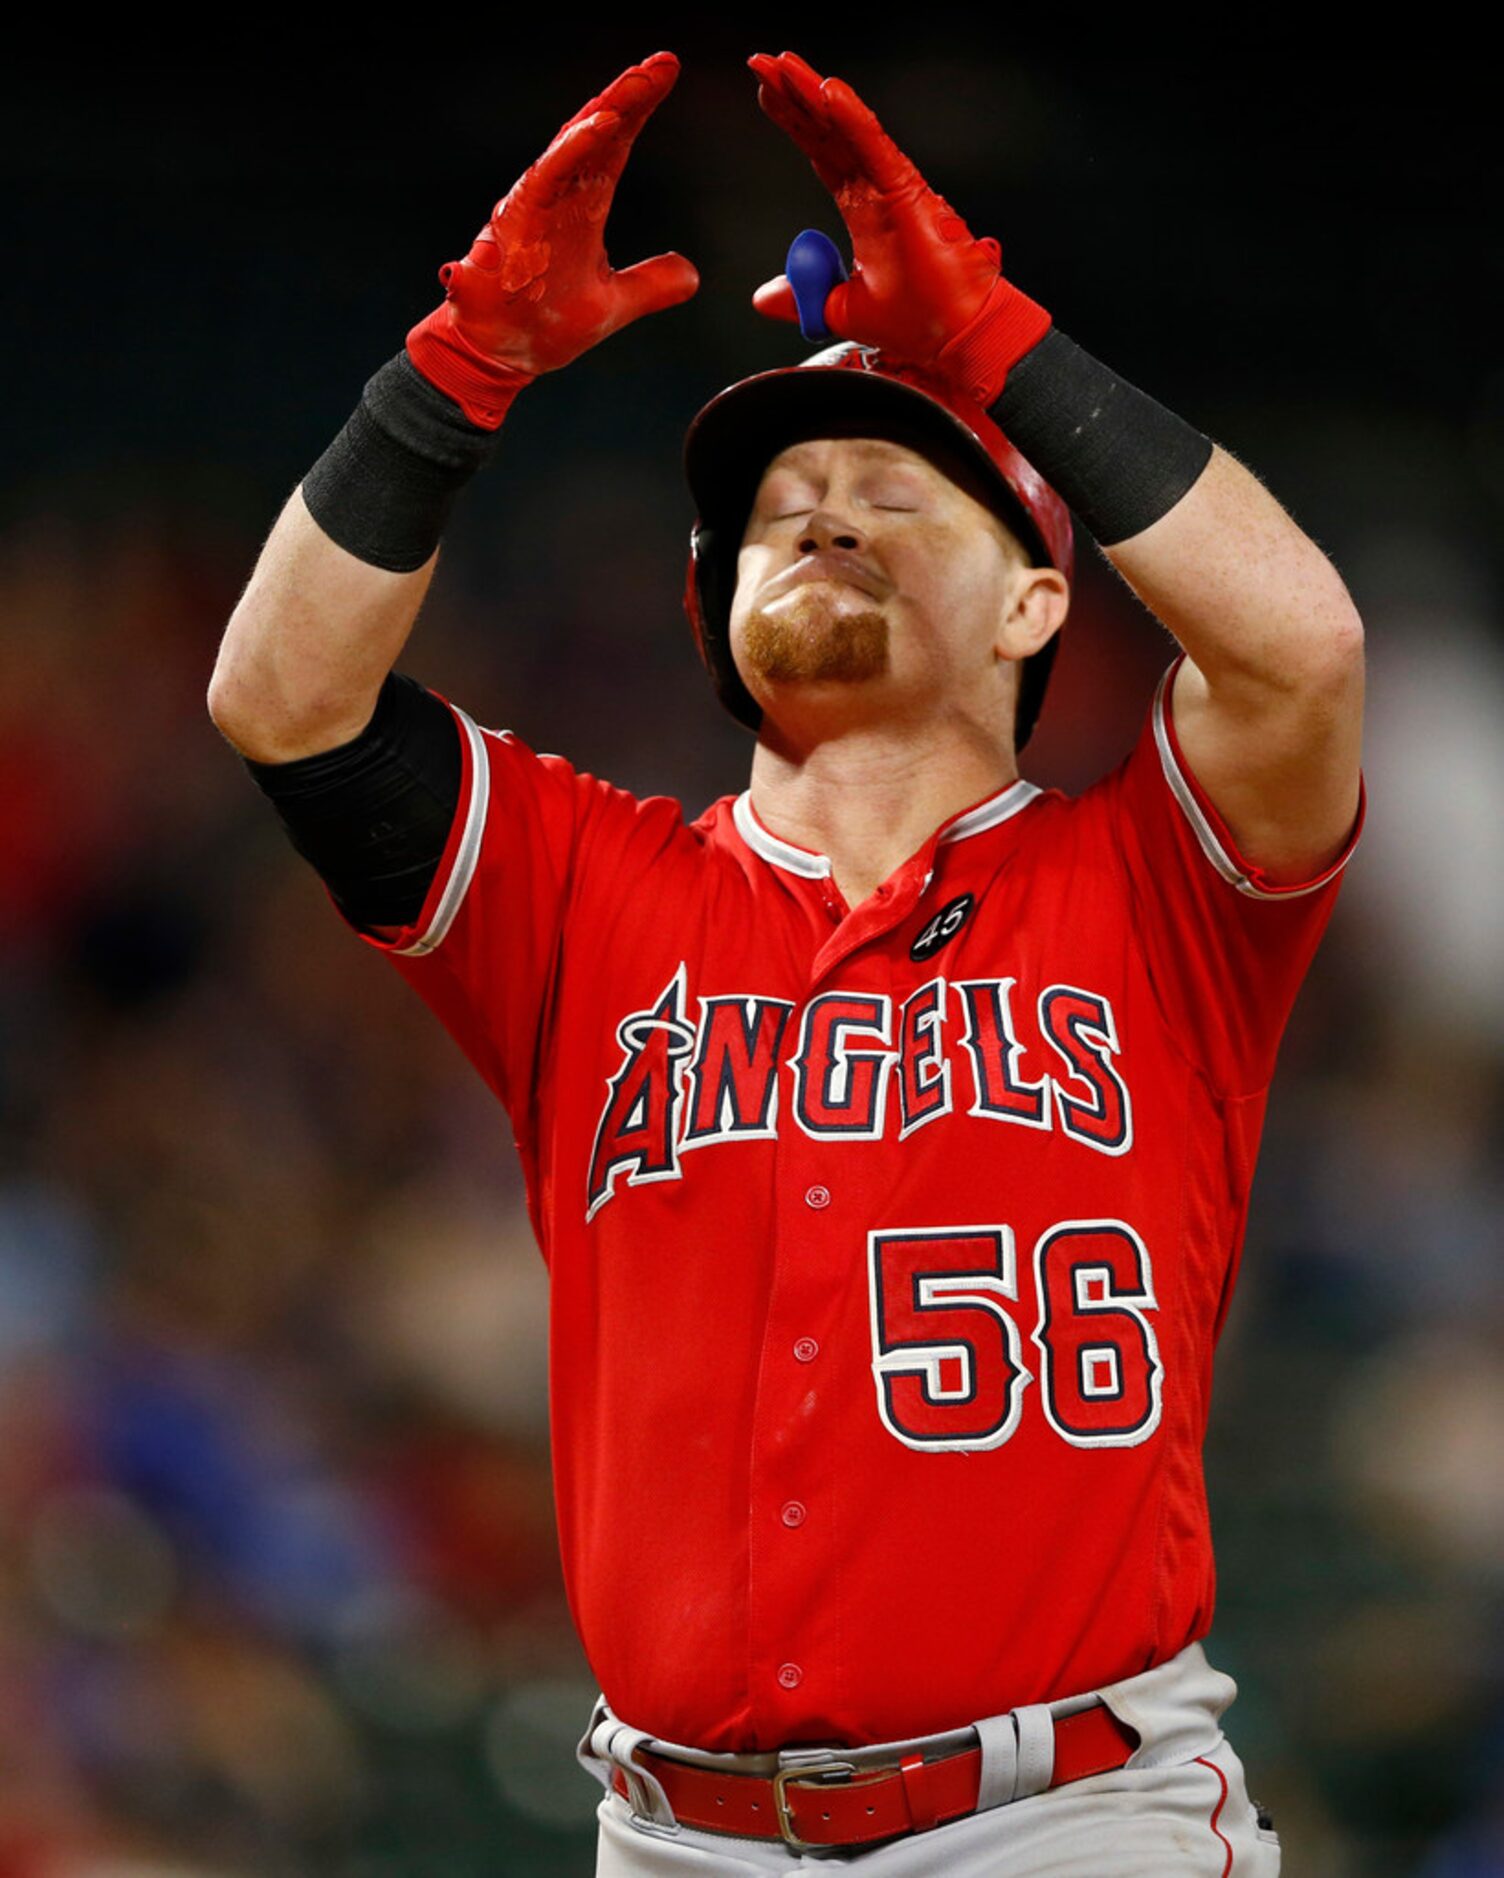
(999, 808)
(811, 866)
(1206, 835)
(468, 853)
(782, 854)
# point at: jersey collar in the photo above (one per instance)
(811, 865)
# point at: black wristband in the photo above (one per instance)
(1116, 456)
(384, 487)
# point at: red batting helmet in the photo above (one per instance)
(849, 391)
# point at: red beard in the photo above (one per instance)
(807, 638)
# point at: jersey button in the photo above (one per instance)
(794, 1513)
(790, 1675)
(806, 1349)
(817, 1197)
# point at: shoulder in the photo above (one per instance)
(515, 767)
(591, 824)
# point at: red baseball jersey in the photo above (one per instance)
(888, 1248)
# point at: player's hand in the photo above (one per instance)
(536, 289)
(923, 289)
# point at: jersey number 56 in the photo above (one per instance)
(947, 1352)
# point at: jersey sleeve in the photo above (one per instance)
(486, 944)
(1226, 948)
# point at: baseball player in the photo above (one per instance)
(888, 1128)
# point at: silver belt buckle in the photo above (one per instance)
(808, 1773)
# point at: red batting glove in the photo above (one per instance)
(923, 289)
(536, 289)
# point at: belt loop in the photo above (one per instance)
(593, 1763)
(611, 1743)
(999, 1773)
(1036, 1749)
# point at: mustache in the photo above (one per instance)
(828, 564)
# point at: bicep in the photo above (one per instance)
(1280, 764)
(1268, 704)
(1226, 939)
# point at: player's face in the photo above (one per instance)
(867, 579)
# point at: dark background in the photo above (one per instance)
(278, 1588)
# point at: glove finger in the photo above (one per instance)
(790, 112)
(633, 96)
(786, 108)
(801, 75)
(650, 80)
(810, 95)
(835, 310)
(610, 158)
(853, 144)
(850, 141)
(648, 287)
(639, 92)
(595, 143)
(774, 299)
(765, 66)
(588, 157)
(801, 100)
(873, 150)
(579, 149)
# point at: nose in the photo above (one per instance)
(825, 529)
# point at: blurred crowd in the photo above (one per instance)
(278, 1584)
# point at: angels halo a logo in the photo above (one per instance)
(942, 928)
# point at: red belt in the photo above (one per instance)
(835, 1803)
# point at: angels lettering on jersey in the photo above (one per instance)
(862, 1070)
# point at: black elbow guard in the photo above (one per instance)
(373, 815)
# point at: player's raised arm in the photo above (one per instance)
(1267, 705)
(338, 585)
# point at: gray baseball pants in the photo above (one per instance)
(1178, 1809)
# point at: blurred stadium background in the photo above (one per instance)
(279, 1592)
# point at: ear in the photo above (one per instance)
(1036, 611)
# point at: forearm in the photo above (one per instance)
(1268, 707)
(1249, 595)
(339, 583)
(1205, 546)
(308, 647)
(316, 633)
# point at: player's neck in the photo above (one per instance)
(873, 796)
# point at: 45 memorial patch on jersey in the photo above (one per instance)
(860, 1070)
